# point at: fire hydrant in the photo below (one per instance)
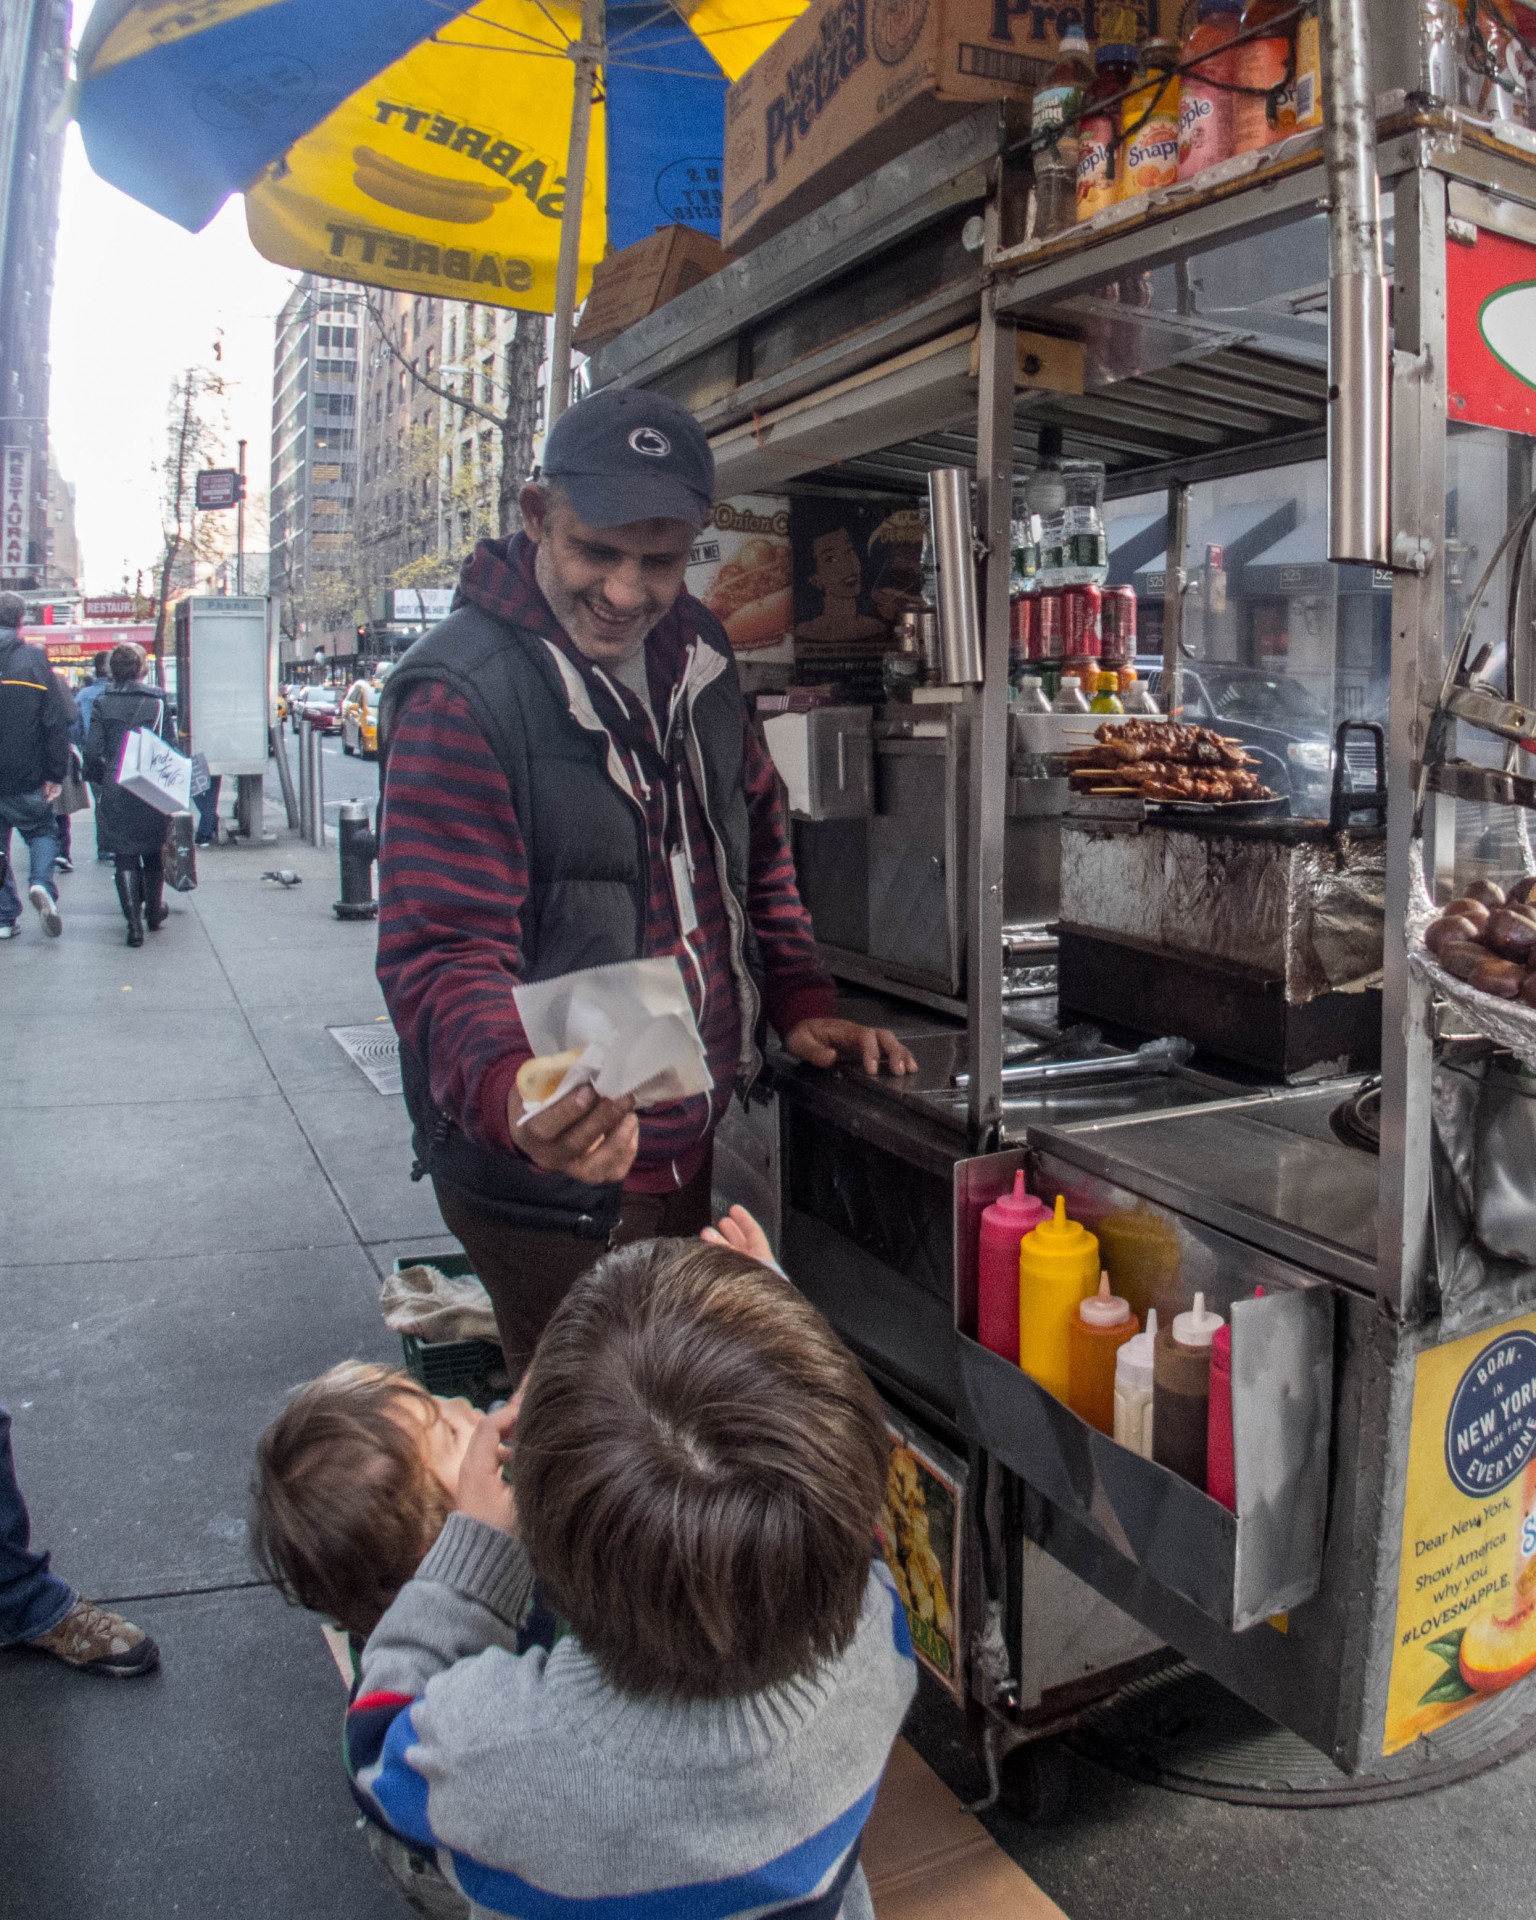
(359, 849)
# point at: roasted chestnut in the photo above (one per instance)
(1488, 891)
(1510, 934)
(1468, 909)
(1502, 978)
(1450, 926)
(1462, 958)
(1523, 891)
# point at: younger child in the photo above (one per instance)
(697, 1470)
(354, 1479)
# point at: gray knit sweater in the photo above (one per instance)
(548, 1794)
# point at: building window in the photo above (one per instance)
(453, 337)
(431, 358)
(488, 380)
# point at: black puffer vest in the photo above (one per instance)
(586, 844)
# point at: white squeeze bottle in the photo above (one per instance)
(1133, 1389)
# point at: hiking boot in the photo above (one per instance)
(47, 910)
(95, 1640)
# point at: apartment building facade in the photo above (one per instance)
(34, 73)
(316, 567)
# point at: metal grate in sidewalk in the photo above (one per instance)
(374, 1051)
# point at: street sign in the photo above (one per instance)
(218, 487)
(15, 499)
(425, 604)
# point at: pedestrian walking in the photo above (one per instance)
(39, 1610)
(131, 830)
(570, 778)
(36, 713)
(85, 700)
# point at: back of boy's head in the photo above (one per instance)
(699, 1466)
(345, 1506)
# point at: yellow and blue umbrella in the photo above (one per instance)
(417, 144)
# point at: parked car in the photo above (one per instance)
(320, 706)
(1281, 723)
(360, 719)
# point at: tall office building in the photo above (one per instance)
(317, 566)
(34, 70)
(398, 436)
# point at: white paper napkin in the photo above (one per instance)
(633, 1024)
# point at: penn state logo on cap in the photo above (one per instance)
(650, 441)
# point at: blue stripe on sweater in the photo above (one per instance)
(805, 1883)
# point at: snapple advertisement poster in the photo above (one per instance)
(1466, 1595)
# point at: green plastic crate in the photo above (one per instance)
(473, 1369)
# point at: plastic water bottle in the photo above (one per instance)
(1054, 127)
(1070, 698)
(1046, 499)
(1084, 544)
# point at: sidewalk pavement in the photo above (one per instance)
(201, 1194)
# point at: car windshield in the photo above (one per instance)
(1272, 698)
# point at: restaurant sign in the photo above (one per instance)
(15, 516)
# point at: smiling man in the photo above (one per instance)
(570, 780)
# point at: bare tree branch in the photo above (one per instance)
(398, 353)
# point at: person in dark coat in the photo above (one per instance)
(131, 830)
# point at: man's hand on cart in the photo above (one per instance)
(823, 1043)
(581, 1135)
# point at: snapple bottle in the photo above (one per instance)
(1149, 124)
(1205, 102)
(1099, 159)
(1265, 110)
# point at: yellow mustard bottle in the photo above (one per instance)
(1058, 1269)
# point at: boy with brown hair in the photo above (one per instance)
(697, 1466)
(354, 1479)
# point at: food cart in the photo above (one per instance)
(1318, 309)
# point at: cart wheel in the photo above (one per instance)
(1036, 1785)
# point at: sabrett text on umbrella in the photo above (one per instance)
(399, 253)
(476, 143)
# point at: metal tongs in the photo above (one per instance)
(1157, 1056)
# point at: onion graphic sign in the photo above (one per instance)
(1491, 332)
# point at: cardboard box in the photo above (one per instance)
(853, 83)
(741, 569)
(926, 1858)
(629, 285)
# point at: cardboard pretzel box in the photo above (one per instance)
(630, 284)
(853, 83)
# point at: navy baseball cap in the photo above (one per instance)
(624, 454)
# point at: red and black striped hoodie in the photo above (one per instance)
(453, 880)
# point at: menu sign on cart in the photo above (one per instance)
(1466, 1596)
(1490, 323)
(921, 1528)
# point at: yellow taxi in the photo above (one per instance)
(360, 719)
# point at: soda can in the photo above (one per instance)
(1049, 626)
(1082, 622)
(1021, 629)
(1117, 624)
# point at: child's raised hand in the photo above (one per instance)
(741, 1233)
(484, 1493)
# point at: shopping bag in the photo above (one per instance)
(73, 796)
(154, 772)
(180, 856)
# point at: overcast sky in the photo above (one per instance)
(135, 300)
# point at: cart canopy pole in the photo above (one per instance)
(1357, 294)
(988, 756)
(587, 54)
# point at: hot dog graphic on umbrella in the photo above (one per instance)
(409, 190)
